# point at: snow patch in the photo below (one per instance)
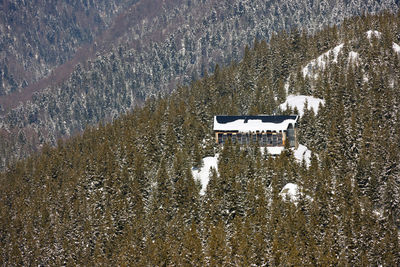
(203, 175)
(298, 101)
(353, 57)
(277, 150)
(290, 191)
(396, 48)
(371, 33)
(303, 153)
(378, 213)
(321, 61)
(287, 87)
(293, 192)
(273, 150)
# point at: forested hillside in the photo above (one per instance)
(37, 36)
(123, 193)
(70, 65)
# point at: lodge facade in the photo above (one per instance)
(267, 131)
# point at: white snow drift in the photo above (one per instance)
(203, 175)
(303, 153)
(298, 101)
(290, 191)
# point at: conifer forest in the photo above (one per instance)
(121, 189)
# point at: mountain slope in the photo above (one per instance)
(38, 36)
(148, 49)
(123, 193)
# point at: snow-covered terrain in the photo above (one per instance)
(276, 150)
(298, 101)
(203, 175)
(396, 48)
(371, 33)
(290, 191)
(320, 62)
(353, 57)
(303, 153)
(378, 35)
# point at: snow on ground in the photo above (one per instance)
(303, 153)
(203, 175)
(353, 57)
(321, 61)
(290, 191)
(371, 33)
(276, 150)
(287, 86)
(396, 48)
(299, 100)
(300, 154)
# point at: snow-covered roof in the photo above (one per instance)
(253, 123)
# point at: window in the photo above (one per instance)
(224, 137)
(264, 139)
(274, 139)
(269, 139)
(279, 139)
(229, 136)
(220, 138)
(259, 138)
(254, 135)
(239, 138)
(245, 139)
(290, 135)
(233, 138)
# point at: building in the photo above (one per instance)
(266, 130)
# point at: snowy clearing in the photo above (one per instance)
(298, 101)
(203, 175)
